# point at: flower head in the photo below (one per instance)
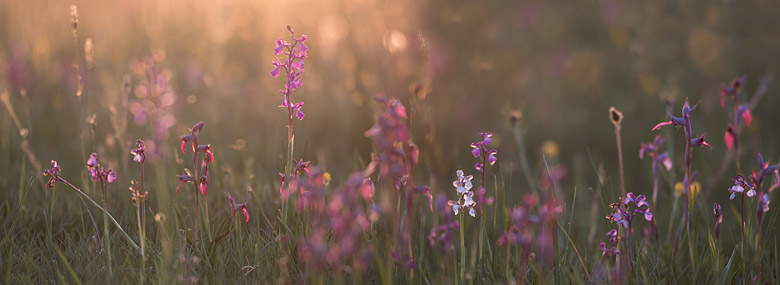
(479, 149)
(653, 150)
(611, 250)
(624, 212)
(184, 178)
(764, 170)
(740, 186)
(732, 89)
(139, 152)
(465, 197)
(54, 172)
(236, 207)
(763, 206)
(98, 173)
(293, 53)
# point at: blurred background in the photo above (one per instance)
(562, 64)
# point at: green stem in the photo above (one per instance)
(130, 240)
(462, 251)
(140, 236)
(106, 234)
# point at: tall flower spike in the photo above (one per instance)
(465, 197)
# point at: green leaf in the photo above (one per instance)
(725, 277)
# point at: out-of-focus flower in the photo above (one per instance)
(679, 189)
(764, 170)
(236, 207)
(763, 206)
(390, 135)
(344, 221)
(527, 229)
(611, 250)
(653, 151)
(731, 90)
(153, 98)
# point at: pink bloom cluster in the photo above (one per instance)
(98, 173)
(154, 98)
(293, 52)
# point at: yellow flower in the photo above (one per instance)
(695, 188)
(326, 178)
(550, 148)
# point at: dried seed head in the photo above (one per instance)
(615, 116)
(515, 117)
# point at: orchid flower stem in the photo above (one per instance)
(462, 251)
(142, 224)
(742, 224)
(620, 160)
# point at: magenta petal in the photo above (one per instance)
(475, 152)
(492, 159)
(204, 188)
(299, 114)
(246, 214)
(111, 176)
(747, 117)
(662, 124)
(729, 138)
(275, 72)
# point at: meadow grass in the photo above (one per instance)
(380, 224)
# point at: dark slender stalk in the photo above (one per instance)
(620, 160)
(631, 250)
(758, 254)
